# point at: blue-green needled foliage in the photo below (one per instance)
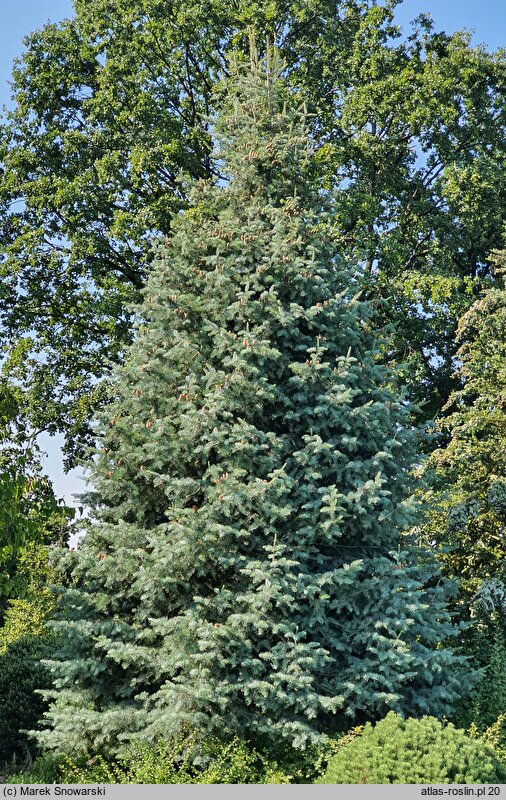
(248, 571)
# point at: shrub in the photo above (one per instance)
(414, 751)
(21, 707)
(485, 645)
(46, 769)
(179, 761)
(302, 766)
(183, 761)
(495, 736)
(24, 640)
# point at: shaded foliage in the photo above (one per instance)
(467, 499)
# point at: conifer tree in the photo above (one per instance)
(247, 570)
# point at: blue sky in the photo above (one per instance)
(17, 19)
(487, 18)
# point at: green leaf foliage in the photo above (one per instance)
(467, 495)
(45, 769)
(181, 761)
(30, 517)
(248, 572)
(21, 707)
(30, 522)
(24, 642)
(495, 736)
(398, 750)
(468, 478)
(184, 759)
(111, 105)
(485, 645)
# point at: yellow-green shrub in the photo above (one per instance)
(414, 751)
(179, 761)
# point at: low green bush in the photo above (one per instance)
(304, 766)
(414, 751)
(46, 769)
(181, 761)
